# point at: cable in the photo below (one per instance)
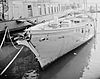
(12, 60)
(12, 41)
(4, 37)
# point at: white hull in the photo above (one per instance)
(52, 44)
(51, 40)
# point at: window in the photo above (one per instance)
(82, 30)
(59, 6)
(48, 9)
(44, 9)
(52, 9)
(76, 21)
(55, 9)
(30, 11)
(40, 10)
(91, 25)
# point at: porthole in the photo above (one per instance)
(88, 30)
(82, 31)
(91, 25)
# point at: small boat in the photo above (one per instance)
(30, 51)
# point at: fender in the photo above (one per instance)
(29, 45)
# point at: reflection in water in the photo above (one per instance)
(71, 65)
(93, 69)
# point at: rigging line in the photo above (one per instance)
(4, 37)
(12, 60)
(12, 41)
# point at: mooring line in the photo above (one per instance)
(11, 61)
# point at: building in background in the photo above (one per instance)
(35, 8)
